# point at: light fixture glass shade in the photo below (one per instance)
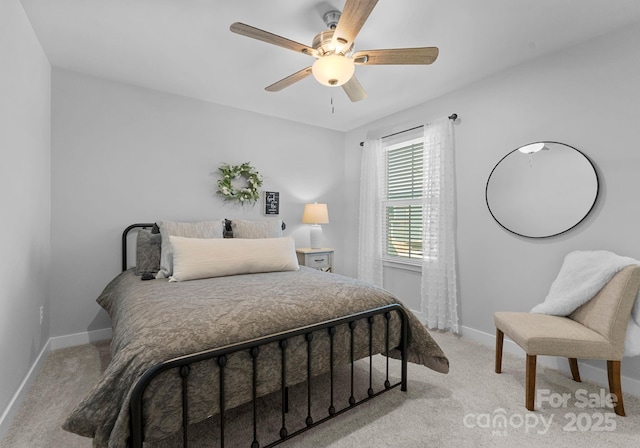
(333, 70)
(315, 214)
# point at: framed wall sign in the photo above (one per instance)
(271, 203)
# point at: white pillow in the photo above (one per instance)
(202, 229)
(203, 258)
(268, 228)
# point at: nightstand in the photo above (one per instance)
(321, 259)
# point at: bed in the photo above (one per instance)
(187, 351)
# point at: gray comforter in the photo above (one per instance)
(156, 320)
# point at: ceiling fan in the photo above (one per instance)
(333, 50)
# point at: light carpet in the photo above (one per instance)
(470, 407)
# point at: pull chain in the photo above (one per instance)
(333, 110)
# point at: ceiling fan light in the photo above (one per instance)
(333, 70)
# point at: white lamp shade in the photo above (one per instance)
(315, 214)
(333, 70)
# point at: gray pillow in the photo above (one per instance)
(201, 229)
(147, 252)
(268, 228)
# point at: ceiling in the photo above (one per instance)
(185, 47)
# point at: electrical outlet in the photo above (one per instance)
(41, 314)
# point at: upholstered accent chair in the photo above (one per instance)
(596, 330)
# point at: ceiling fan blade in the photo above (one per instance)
(291, 79)
(421, 55)
(270, 38)
(353, 16)
(354, 89)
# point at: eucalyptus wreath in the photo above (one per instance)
(249, 192)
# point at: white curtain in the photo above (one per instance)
(439, 293)
(370, 225)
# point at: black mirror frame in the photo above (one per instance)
(595, 199)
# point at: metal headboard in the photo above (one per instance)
(143, 225)
(124, 240)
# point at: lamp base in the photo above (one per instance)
(315, 236)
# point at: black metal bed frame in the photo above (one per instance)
(182, 364)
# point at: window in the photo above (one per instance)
(402, 202)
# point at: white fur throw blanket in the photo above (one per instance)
(582, 275)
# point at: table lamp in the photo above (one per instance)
(315, 214)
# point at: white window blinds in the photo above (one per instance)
(402, 204)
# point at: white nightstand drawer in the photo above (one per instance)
(321, 259)
(318, 261)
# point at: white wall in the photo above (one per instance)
(587, 97)
(25, 91)
(124, 154)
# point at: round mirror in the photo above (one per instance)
(542, 189)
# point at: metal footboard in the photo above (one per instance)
(182, 368)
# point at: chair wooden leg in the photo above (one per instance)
(615, 385)
(531, 382)
(573, 363)
(499, 342)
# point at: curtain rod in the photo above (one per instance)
(452, 117)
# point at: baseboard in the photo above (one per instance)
(14, 404)
(54, 343)
(588, 372)
(86, 337)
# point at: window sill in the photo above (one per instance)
(399, 264)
